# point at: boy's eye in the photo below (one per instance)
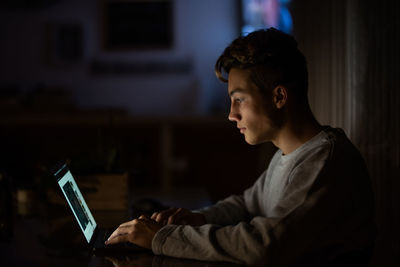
(238, 100)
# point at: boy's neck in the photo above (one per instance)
(297, 130)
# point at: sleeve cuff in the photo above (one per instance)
(160, 237)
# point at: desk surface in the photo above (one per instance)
(51, 237)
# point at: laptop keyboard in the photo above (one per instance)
(107, 234)
(102, 237)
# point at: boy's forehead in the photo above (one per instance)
(239, 81)
(236, 74)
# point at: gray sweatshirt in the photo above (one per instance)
(314, 203)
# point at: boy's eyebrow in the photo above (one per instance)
(237, 90)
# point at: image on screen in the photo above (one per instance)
(78, 205)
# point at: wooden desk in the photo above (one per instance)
(48, 235)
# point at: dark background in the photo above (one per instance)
(157, 111)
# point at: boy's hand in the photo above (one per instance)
(179, 216)
(138, 231)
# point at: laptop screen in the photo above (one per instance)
(75, 200)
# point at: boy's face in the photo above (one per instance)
(249, 109)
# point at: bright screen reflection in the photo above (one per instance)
(78, 205)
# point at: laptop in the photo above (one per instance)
(94, 235)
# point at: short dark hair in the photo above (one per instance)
(273, 58)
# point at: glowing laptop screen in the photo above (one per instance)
(77, 204)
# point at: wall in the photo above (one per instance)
(354, 62)
(202, 29)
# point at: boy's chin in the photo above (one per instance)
(251, 141)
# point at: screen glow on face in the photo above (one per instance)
(78, 205)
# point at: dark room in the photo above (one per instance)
(199, 133)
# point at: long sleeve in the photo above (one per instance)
(231, 210)
(324, 226)
(241, 243)
(237, 208)
(323, 213)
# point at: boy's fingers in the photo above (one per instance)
(173, 217)
(127, 223)
(117, 239)
(144, 217)
(114, 234)
(123, 229)
(154, 216)
(177, 217)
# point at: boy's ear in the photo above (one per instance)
(280, 96)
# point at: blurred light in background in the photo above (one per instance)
(261, 14)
